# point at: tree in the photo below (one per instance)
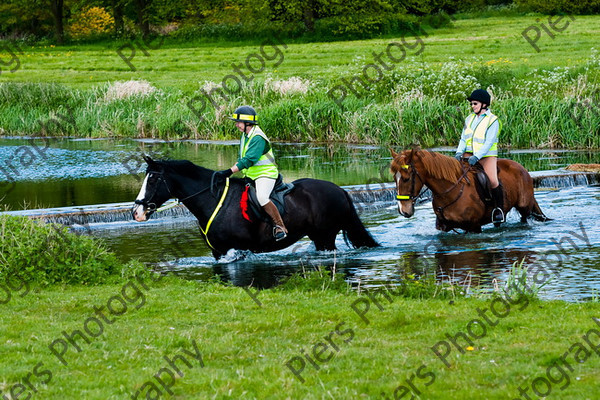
(142, 8)
(57, 9)
(117, 7)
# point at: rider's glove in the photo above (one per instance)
(458, 156)
(226, 173)
(473, 160)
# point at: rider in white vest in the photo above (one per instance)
(479, 143)
(257, 162)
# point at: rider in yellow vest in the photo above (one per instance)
(479, 143)
(257, 162)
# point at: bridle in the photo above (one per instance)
(152, 206)
(413, 177)
(146, 202)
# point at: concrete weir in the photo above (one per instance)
(371, 194)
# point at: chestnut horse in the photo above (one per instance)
(456, 202)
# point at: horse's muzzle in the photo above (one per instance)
(406, 213)
(141, 213)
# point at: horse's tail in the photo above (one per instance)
(355, 231)
(537, 213)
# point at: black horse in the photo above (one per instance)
(316, 208)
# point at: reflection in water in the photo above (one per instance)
(468, 268)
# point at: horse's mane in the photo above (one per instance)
(183, 167)
(436, 164)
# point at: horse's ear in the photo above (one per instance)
(393, 153)
(147, 159)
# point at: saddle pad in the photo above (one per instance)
(252, 211)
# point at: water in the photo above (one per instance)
(62, 172)
(73, 173)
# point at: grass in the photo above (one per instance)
(415, 101)
(183, 65)
(312, 337)
(245, 347)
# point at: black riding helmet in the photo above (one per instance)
(245, 114)
(481, 96)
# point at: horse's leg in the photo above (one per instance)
(324, 241)
(525, 212)
(216, 255)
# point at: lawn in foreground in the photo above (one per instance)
(244, 346)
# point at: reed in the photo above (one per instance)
(381, 118)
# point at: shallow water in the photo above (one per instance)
(570, 244)
(94, 172)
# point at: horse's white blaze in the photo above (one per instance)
(143, 189)
(138, 212)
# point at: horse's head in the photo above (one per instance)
(408, 181)
(154, 191)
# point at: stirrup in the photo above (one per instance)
(279, 233)
(497, 212)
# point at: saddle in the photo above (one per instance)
(482, 184)
(251, 209)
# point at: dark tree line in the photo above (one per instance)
(43, 18)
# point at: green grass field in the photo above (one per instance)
(245, 347)
(185, 65)
(413, 90)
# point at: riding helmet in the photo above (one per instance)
(481, 96)
(244, 114)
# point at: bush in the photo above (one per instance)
(90, 23)
(560, 6)
(49, 253)
(358, 26)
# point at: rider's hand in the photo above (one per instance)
(473, 160)
(226, 173)
(458, 156)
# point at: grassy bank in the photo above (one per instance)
(546, 99)
(107, 334)
(244, 347)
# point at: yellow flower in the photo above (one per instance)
(470, 348)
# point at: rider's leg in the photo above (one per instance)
(490, 167)
(264, 187)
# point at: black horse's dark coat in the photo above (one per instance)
(315, 208)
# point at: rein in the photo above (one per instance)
(212, 185)
(414, 174)
(463, 176)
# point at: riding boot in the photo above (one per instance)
(279, 231)
(497, 213)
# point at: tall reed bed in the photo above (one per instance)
(556, 108)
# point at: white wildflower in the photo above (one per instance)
(122, 90)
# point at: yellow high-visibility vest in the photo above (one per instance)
(475, 137)
(265, 166)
